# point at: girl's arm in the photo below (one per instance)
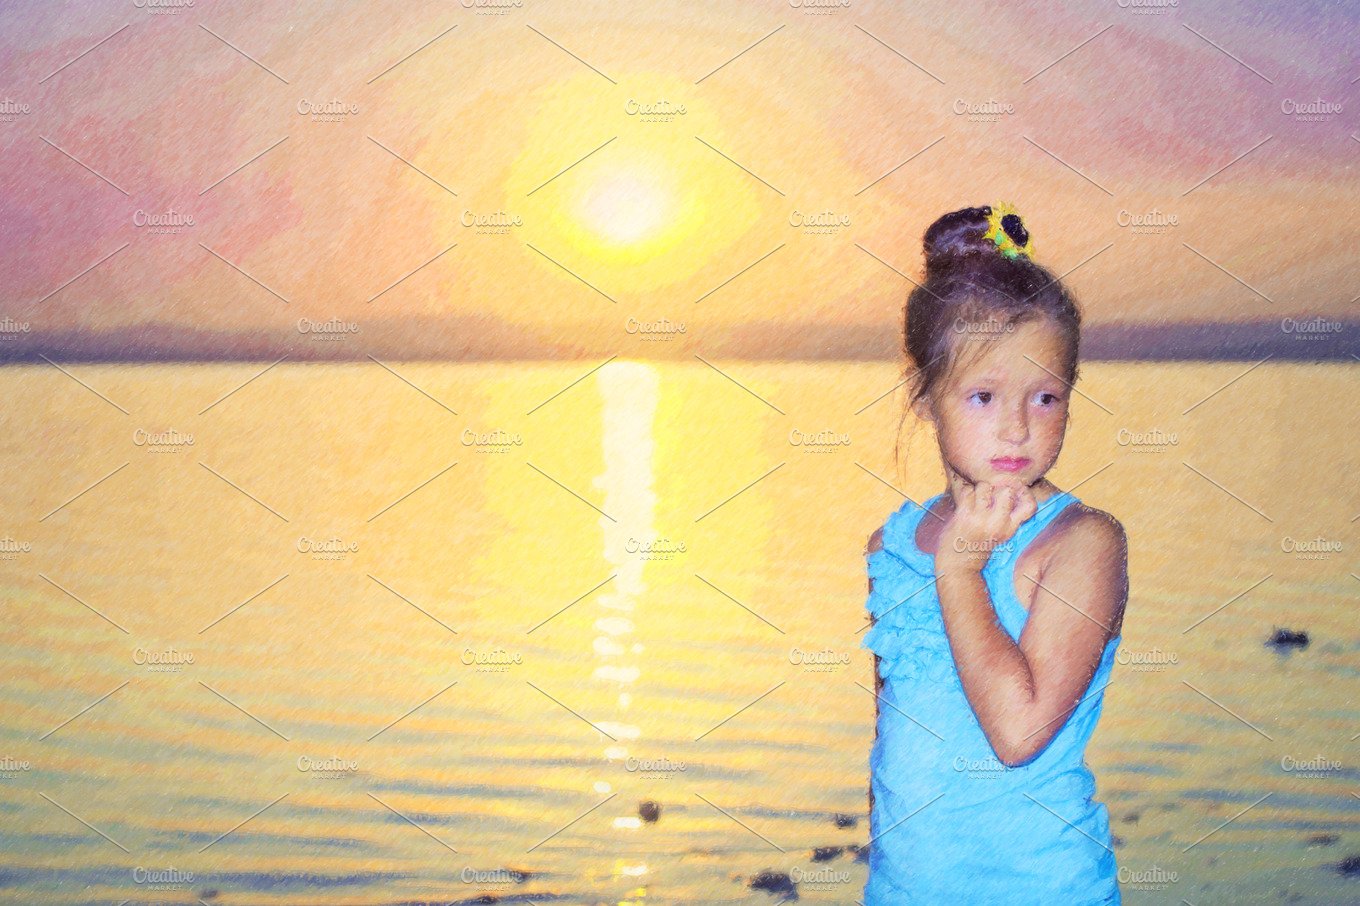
(875, 543)
(1022, 693)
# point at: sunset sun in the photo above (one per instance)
(626, 207)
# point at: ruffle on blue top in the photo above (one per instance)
(908, 633)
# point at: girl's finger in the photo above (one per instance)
(1014, 514)
(986, 495)
(1000, 514)
(1025, 506)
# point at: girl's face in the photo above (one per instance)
(1000, 416)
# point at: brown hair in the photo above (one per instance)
(968, 280)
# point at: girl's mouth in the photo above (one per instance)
(1009, 463)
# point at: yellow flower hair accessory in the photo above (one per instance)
(1004, 227)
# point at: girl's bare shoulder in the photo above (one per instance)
(1094, 543)
(875, 542)
(1084, 531)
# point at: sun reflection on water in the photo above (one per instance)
(630, 392)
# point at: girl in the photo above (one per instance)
(997, 605)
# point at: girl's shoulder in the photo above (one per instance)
(1089, 542)
(1084, 532)
(1080, 520)
(875, 542)
(899, 517)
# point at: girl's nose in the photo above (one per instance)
(1015, 427)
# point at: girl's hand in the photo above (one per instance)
(985, 515)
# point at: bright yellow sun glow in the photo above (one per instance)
(630, 204)
(627, 206)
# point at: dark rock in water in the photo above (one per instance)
(1323, 839)
(861, 852)
(1349, 867)
(826, 853)
(1285, 639)
(649, 811)
(1116, 840)
(1132, 817)
(776, 882)
(845, 821)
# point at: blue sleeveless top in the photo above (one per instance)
(950, 822)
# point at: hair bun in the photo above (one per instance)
(986, 230)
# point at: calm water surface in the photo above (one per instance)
(353, 637)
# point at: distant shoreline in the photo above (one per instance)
(472, 339)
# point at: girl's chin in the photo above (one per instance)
(1002, 478)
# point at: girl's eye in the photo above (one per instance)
(983, 396)
(1047, 399)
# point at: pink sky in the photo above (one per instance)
(1233, 130)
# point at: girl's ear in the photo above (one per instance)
(922, 409)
